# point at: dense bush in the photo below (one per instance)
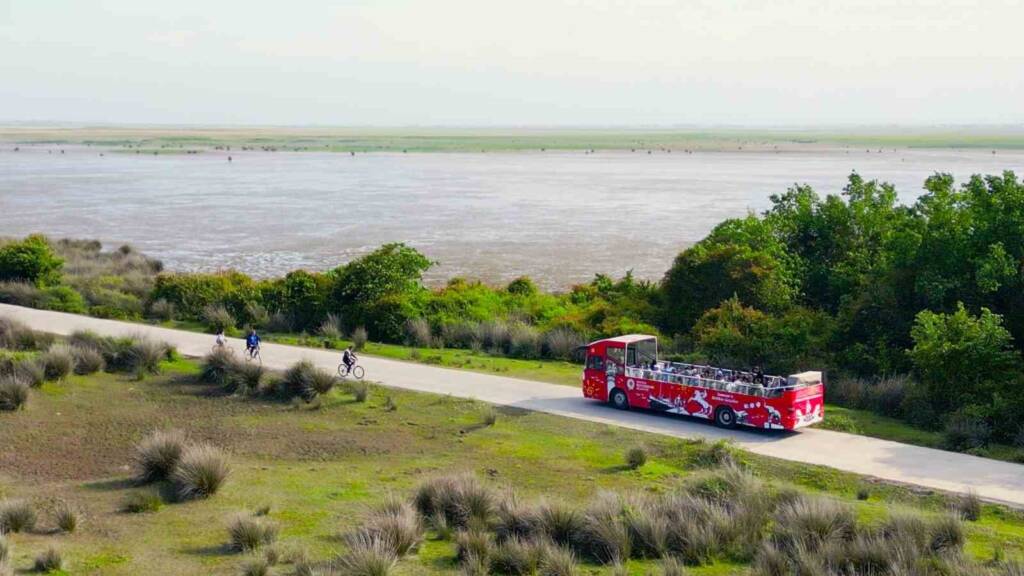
(30, 260)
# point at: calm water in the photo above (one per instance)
(559, 217)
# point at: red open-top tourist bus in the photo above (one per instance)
(625, 372)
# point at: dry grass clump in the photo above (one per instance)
(13, 393)
(217, 318)
(16, 336)
(48, 561)
(967, 506)
(304, 380)
(218, 366)
(57, 362)
(144, 356)
(396, 523)
(67, 517)
(418, 333)
(5, 556)
(31, 372)
(813, 522)
(560, 523)
(557, 561)
(201, 472)
(367, 556)
(255, 566)
(158, 455)
(138, 354)
(359, 338)
(87, 360)
(331, 327)
(359, 390)
(16, 516)
(248, 532)
(459, 499)
(474, 546)
(635, 458)
(515, 557)
(140, 502)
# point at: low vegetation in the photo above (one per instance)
(339, 488)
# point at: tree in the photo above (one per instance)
(962, 359)
(739, 258)
(381, 290)
(30, 260)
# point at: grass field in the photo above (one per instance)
(163, 139)
(320, 467)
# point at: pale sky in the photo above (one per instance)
(515, 62)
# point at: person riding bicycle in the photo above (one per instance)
(348, 357)
(252, 343)
(221, 341)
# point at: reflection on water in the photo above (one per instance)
(556, 216)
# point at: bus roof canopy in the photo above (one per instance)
(628, 338)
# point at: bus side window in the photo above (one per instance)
(595, 363)
(615, 355)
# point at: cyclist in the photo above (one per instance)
(252, 343)
(221, 341)
(348, 357)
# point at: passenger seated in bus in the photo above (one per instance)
(758, 375)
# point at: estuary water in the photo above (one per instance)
(557, 216)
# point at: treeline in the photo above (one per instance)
(855, 283)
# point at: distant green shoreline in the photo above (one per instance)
(418, 140)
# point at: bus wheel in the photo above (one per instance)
(725, 417)
(619, 400)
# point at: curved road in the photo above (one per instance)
(990, 479)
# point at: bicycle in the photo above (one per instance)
(356, 371)
(218, 347)
(254, 356)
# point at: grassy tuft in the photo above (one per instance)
(87, 360)
(967, 506)
(256, 566)
(48, 561)
(157, 455)
(13, 393)
(636, 457)
(367, 556)
(251, 533)
(17, 516)
(217, 366)
(359, 338)
(514, 557)
(461, 499)
(57, 362)
(306, 381)
(140, 502)
(67, 517)
(358, 389)
(201, 472)
(397, 524)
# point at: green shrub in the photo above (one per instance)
(841, 423)
(142, 501)
(48, 561)
(62, 299)
(67, 517)
(251, 533)
(30, 260)
(57, 362)
(87, 360)
(13, 393)
(304, 380)
(636, 457)
(157, 455)
(17, 516)
(201, 472)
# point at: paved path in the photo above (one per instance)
(990, 479)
